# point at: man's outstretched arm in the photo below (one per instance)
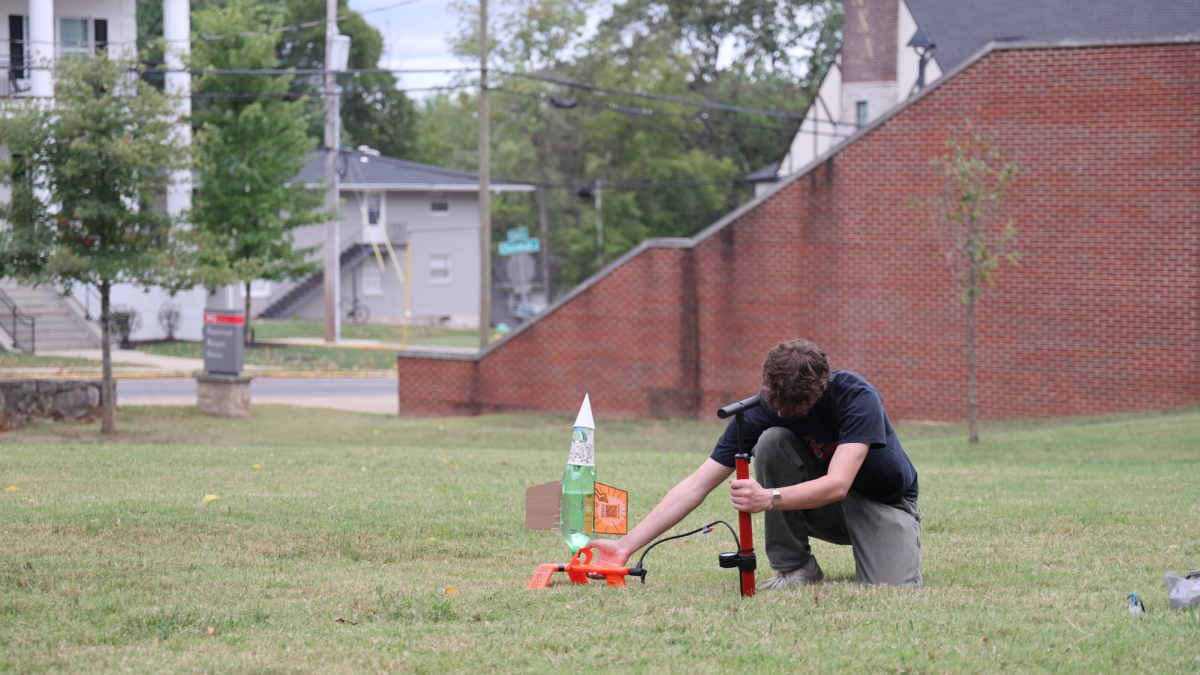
(674, 507)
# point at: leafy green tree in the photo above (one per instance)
(373, 111)
(86, 170)
(564, 138)
(973, 180)
(252, 144)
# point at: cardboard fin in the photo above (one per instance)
(611, 515)
(542, 505)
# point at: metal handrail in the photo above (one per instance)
(19, 320)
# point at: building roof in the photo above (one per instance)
(766, 174)
(960, 28)
(388, 173)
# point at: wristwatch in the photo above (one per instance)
(776, 500)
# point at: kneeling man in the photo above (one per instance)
(828, 465)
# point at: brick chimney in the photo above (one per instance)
(869, 56)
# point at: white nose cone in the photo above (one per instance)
(584, 419)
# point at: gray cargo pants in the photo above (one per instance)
(886, 537)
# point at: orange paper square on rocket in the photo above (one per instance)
(611, 515)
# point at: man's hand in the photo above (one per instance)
(608, 552)
(749, 496)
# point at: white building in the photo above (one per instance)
(36, 34)
(890, 48)
(425, 212)
(393, 211)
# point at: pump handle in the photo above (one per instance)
(740, 407)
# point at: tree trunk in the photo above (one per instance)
(247, 337)
(973, 414)
(108, 421)
(543, 222)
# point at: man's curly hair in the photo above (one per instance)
(795, 375)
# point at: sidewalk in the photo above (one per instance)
(376, 344)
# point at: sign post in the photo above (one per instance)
(222, 390)
(519, 241)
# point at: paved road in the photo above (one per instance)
(370, 395)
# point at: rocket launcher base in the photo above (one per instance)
(578, 570)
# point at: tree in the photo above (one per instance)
(86, 170)
(564, 138)
(373, 111)
(974, 180)
(251, 146)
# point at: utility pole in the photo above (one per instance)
(333, 323)
(485, 179)
(599, 228)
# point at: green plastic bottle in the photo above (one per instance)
(579, 482)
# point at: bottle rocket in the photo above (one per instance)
(579, 482)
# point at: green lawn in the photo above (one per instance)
(265, 329)
(292, 357)
(19, 360)
(111, 562)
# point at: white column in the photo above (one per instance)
(177, 30)
(41, 48)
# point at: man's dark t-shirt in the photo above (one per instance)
(850, 411)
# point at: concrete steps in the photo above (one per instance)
(60, 323)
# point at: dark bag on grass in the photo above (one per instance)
(1184, 591)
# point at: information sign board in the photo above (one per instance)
(223, 338)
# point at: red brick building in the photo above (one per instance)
(1102, 315)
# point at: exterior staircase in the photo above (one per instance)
(312, 286)
(60, 322)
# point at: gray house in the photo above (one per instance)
(403, 223)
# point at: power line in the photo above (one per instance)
(659, 97)
(565, 83)
(651, 112)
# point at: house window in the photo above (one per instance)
(374, 209)
(73, 36)
(439, 202)
(861, 109)
(372, 279)
(374, 214)
(101, 26)
(18, 26)
(439, 269)
(259, 288)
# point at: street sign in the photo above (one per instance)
(525, 246)
(518, 234)
(223, 337)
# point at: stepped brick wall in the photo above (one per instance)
(1101, 315)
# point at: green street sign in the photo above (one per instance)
(526, 246)
(518, 234)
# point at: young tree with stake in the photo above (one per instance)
(252, 144)
(86, 169)
(973, 182)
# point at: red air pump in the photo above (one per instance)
(744, 558)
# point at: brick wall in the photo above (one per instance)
(1102, 315)
(869, 40)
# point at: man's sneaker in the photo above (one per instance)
(804, 576)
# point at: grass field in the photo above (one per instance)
(292, 357)
(368, 544)
(417, 335)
